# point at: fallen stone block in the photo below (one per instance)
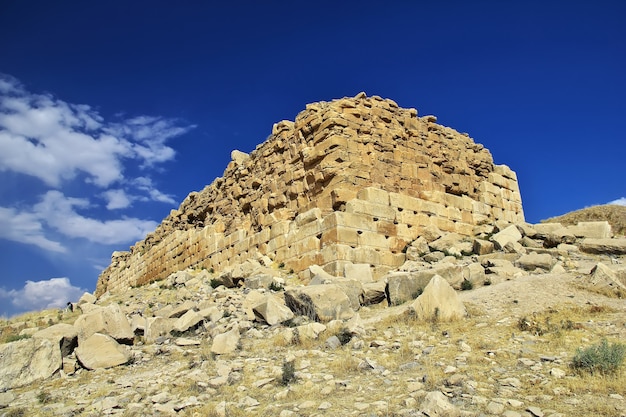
(319, 302)
(26, 361)
(439, 301)
(101, 351)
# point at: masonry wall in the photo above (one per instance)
(352, 180)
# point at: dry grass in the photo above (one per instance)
(614, 214)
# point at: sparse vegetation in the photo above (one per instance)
(344, 335)
(16, 337)
(603, 358)
(215, 283)
(612, 213)
(288, 373)
(44, 397)
(467, 285)
(275, 286)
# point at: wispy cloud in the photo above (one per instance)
(619, 201)
(38, 295)
(59, 212)
(52, 140)
(70, 146)
(26, 227)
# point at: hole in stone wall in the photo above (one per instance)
(360, 232)
(375, 219)
(400, 209)
(319, 236)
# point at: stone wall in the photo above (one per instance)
(352, 180)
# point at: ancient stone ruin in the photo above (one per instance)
(351, 181)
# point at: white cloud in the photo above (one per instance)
(39, 295)
(52, 140)
(145, 184)
(117, 199)
(26, 227)
(56, 142)
(58, 211)
(619, 201)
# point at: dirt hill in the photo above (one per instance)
(614, 214)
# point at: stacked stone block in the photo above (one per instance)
(352, 180)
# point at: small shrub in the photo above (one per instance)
(529, 325)
(16, 337)
(467, 285)
(211, 270)
(344, 336)
(602, 358)
(44, 398)
(281, 265)
(16, 412)
(289, 372)
(275, 286)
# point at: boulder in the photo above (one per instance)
(417, 249)
(180, 309)
(106, 320)
(615, 246)
(259, 281)
(436, 404)
(604, 279)
(359, 272)
(405, 286)
(319, 302)
(451, 243)
(506, 235)
(157, 327)
(309, 330)
(251, 300)
(482, 247)
(439, 301)
(374, 292)
(101, 351)
(63, 334)
(226, 342)
(272, 310)
(351, 287)
(187, 322)
(533, 260)
(87, 298)
(26, 361)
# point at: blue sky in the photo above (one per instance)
(112, 112)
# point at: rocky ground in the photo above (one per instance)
(509, 357)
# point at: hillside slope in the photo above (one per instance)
(614, 214)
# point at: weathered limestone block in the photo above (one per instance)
(272, 310)
(439, 301)
(63, 334)
(509, 234)
(26, 361)
(406, 286)
(319, 302)
(615, 246)
(604, 279)
(226, 342)
(100, 351)
(188, 321)
(532, 261)
(108, 320)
